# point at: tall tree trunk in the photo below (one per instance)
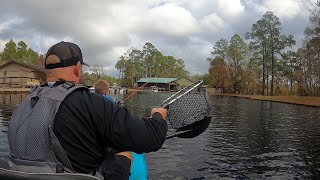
(132, 81)
(272, 72)
(263, 72)
(272, 61)
(291, 81)
(272, 58)
(310, 86)
(235, 76)
(267, 69)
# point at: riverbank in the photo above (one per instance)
(299, 100)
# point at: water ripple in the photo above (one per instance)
(247, 139)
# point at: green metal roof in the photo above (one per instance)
(156, 80)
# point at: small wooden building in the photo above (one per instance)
(14, 74)
(182, 83)
(163, 84)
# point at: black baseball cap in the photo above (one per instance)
(68, 53)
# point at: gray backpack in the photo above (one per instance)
(33, 145)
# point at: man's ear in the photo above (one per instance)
(77, 70)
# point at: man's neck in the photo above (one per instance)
(55, 79)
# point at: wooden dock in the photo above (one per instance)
(14, 90)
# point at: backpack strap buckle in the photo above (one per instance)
(68, 85)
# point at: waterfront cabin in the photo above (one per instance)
(14, 74)
(164, 84)
(183, 82)
(167, 84)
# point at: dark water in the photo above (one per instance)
(246, 139)
(7, 103)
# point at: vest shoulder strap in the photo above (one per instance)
(58, 93)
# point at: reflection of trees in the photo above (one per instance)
(258, 138)
(8, 101)
(142, 103)
(306, 131)
(6, 115)
(245, 123)
(262, 130)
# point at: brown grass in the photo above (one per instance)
(300, 100)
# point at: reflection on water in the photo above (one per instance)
(142, 103)
(246, 139)
(7, 103)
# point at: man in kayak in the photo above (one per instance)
(62, 127)
(139, 169)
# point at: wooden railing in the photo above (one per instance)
(23, 82)
(18, 82)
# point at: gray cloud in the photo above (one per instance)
(106, 29)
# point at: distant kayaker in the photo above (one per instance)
(139, 169)
(62, 127)
(103, 87)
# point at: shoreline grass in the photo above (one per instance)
(298, 100)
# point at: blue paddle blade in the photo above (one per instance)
(192, 130)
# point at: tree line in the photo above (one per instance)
(264, 61)
(148, 62)
(134, 64)
(20, 53)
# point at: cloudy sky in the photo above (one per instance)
(105, 29)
